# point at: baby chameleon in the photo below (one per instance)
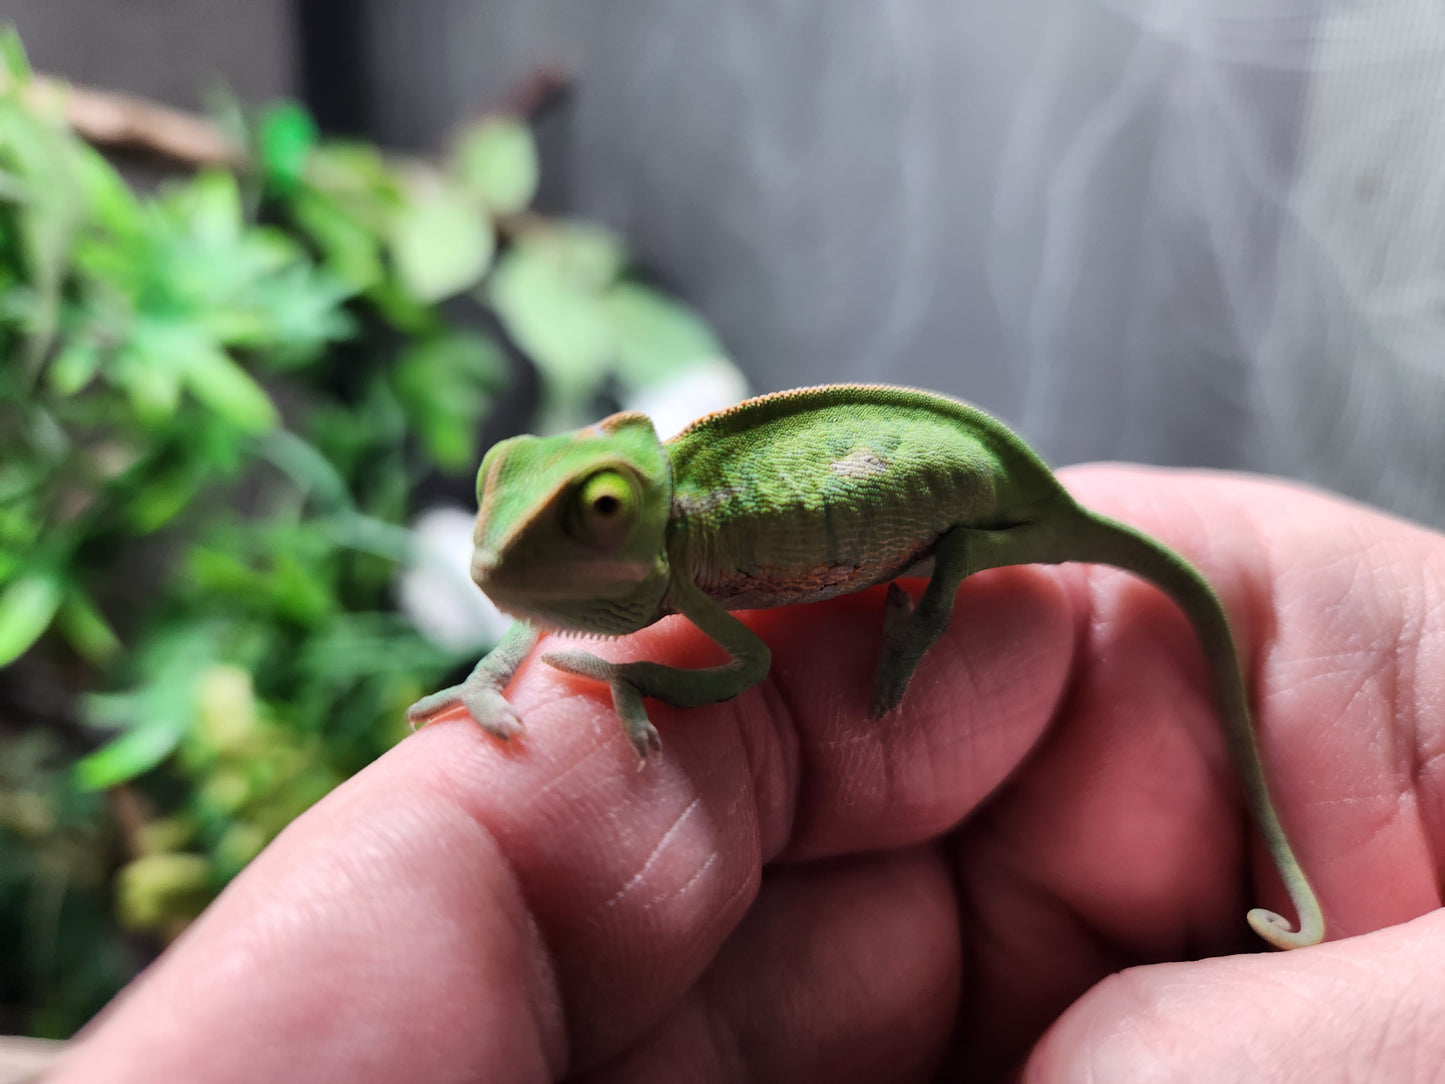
(795, 497)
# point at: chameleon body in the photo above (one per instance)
(795, 497)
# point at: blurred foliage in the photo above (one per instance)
(215, 404)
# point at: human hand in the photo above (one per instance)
(794, 892)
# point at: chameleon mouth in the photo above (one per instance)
(591, 578)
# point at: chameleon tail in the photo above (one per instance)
(1100, 540)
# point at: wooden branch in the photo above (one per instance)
(536, 91)
(121, 121)
(125, 122)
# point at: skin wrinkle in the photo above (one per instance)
(738, 894)
(1386, 1027)
(735, 1027)
(956, 655)
(1102, 604)
(1278, 583)
(787, 770)
(796, 781)
(655, 853)
(1145, 1036)
(743, 888)
(696, 877)
(1377, 672)
(1410, 630)
(551, 1027)
(1404, 709)
(950, 746)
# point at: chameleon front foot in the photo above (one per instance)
(484, 703)
(626, 699)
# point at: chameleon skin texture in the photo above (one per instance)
(795, 497)
(808, 494)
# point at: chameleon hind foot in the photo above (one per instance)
(890, 680)
(626, 699)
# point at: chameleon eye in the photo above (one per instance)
(603, 509)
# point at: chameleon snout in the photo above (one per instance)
(484, 564)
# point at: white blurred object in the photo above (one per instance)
(706, 385)
(435, 591)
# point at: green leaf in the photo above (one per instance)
(209, 206)
(44, 157)
(442, 244)
(157, 890)
(156, 714)
(229, 390)
(144, 368)
(13, 59)
(286, 317)
(27, 606)
(86, 628)
(587, 255)
(656, 336)
(351, 251)
(13, 188)
(164, 355)
(128, 756)
(160, 501)
(74, 367)
(154, 392)
(556, 318)
(357, 176)
(309, 470)
(497, 159)
(286, 135)
(446, 384)
(112, 204)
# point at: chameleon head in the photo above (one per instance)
(571, 529)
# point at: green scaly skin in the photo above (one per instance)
(795, 497)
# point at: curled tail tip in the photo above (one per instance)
(1276, 929)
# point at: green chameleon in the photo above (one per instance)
(795, 497)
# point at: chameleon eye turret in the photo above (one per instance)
(604, 509)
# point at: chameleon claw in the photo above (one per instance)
(896, 611)
(633, 715)
(487, 707)
(887, 695)
(646, 741)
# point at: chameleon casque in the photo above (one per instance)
(795, 497)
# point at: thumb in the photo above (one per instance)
(1366, 1008)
